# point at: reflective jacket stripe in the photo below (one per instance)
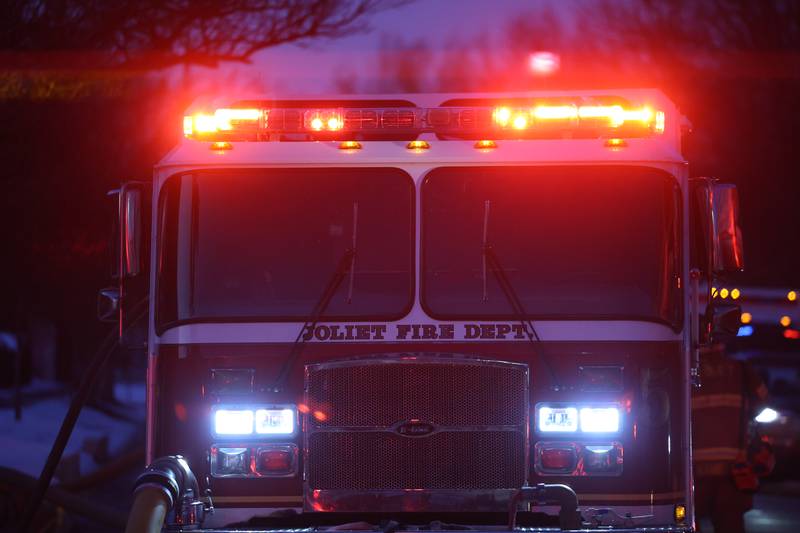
(716, 454)
(706, 401)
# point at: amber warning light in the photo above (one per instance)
(560, 119)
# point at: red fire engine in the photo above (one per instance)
(423, 312)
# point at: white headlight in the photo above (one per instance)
(600, 419)
(558, 419)
(275, 421)
(767, 416)
(233, 422)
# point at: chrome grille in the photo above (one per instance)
(477, 411)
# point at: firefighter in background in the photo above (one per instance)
(725, 478)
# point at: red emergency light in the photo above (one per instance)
(517, 119)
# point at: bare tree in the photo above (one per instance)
(401, 66)
(152, 34)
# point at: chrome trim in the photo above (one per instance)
(253, 450)
(409, 500)
(580, 451)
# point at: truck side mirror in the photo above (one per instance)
(126, 303)
(725, 319)
(727, 251)
(131, 224)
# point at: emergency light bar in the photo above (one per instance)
(537, 120)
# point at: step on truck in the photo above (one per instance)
(428, 311)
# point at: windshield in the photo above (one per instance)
(574, 242)
(263, 245)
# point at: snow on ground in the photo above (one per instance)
(97, 436)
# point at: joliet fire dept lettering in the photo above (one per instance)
(413, 332)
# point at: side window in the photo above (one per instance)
(167, 265)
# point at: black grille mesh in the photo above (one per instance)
(353, 447)
(446, 460)
(455, 394)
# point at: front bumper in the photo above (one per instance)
(481, 529)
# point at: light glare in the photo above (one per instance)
(767, 416)
(600, 419)
(558, 419)
(275, 421)
(205, 123)
(548, 112)
(187, 126)
(224, 117)
(544, 63)
(230, 422)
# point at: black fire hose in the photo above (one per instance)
(163, 486)
(109, 517)
(568, 516)
(76, 405)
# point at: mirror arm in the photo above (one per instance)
(694, 335)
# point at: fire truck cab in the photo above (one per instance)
(422, 311)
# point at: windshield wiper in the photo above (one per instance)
(346, 263)
(511, 295)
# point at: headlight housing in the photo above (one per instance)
(576, 418)
(558, 419)
(254, 421)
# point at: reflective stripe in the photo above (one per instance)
(706, 401)
(716, 454)
(645, 497)
(258, 499)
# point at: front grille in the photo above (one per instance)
(446, 460)
(476, 411)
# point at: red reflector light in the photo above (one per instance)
(275, 461)
(791, 334)
(558, 459)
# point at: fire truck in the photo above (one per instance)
(428, 311)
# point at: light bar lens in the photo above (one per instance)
(323, 120)
(275, 421)
(233, 422)
(613, 116)
(599, 419)
(558, 419)
(527, 120)
(223, 120)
